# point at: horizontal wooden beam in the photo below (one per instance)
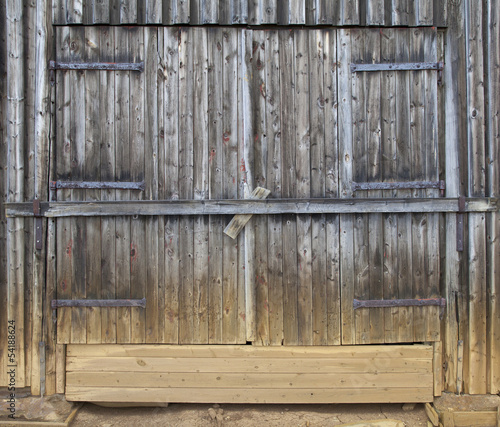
(420, 302)
(102, 66)
(98, 303)
(254, 207)
(402, 66)
(99, 185)
(439, 185)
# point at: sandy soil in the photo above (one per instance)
(55, 408)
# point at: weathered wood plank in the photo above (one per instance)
(138, 251)
(107, 172)
(476, 381)
(122, 171)
(231, 319)
(215, 132)
(274, 150)
(100, 12)
(92, 171)
(154, 244)
(77, 170)
(493, 178)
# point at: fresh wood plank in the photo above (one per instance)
(437, 364)
(195, 380)
(415, 351)
(248, 396)
(276, 365)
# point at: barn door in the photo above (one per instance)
(388, 133)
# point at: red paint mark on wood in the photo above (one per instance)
(133, 252)
(243, 316)
(69, 248)
(212, 155)
(242, 166)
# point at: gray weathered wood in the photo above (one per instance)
(98, 303)
(107, 66)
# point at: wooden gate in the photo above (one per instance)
(220, 110)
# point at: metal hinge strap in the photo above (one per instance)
(420, 302)
(56, 303)
(37, 213)
(400, 66)
(440, 185)
(100, 66)
(99, 185)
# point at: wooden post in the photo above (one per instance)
(15, 179)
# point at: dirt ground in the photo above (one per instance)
(55, 408)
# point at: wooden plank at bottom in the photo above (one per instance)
(213, 351)
(264, 380)
(475, 418)
(249, 364)
(210, 395)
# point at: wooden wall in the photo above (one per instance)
(265, 12)
(468, 158)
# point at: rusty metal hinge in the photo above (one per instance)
(97, 185)
(56, 303)
(399, 66)
(100, 66)
(38, 224)
(460, 224)
(440, 185)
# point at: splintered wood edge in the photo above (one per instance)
(239, 221)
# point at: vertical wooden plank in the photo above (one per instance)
(15, 141)
(29, 22)
(215, 70)
(61, 368)
(230, 289)
(128, 12)
(389, 173)
(289, 227)
(59, 12)
(345, 180)
(359, 121)
(432, 288)
(476, 378)
(138, 251)
(247, 177)
(3, 198)
(274, 147)
(107, 173)
(331, 152)
(171, 38)
(259, 140)
(418, 166)
(269, 12)
(493, 190)
(78, 225)
(350, 12)
(122, 168)
(424, 12)
(399, 12)
(157, 326)
(92, 172)
(101, 12)
(317, 170)
(454, 84)
(440, 13)
(154, 12)
(303, 185)
(153, 97)
(375, 12)
(437, 367)
(186, 100)
(177, 12)
(74, 11)
(64, 242)
(404, 161)
(200, 184)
